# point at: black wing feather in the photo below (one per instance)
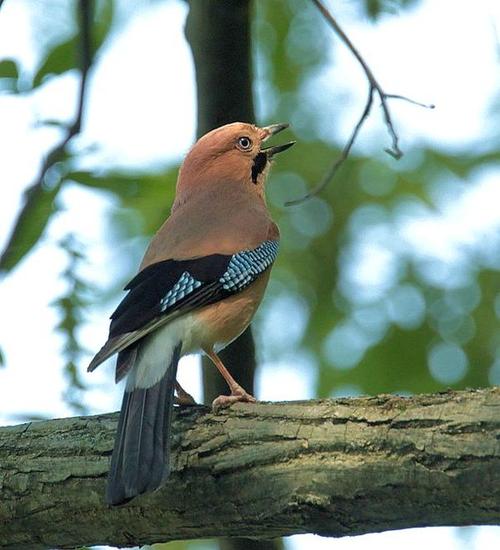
(165, 290)
(143, 301)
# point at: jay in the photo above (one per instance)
(200, 282)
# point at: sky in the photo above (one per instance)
(451, 61)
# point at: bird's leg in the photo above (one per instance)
(237, 392)
(183, 397)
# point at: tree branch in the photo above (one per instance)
(374, 88)
(335, 468)
(330, 174)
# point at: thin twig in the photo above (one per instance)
(374, 88)
(31, 194)
(342, 157)
(85, 14)
(412, 101)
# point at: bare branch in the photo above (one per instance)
(375, 88)
(336, 468)
(412, 101)
(32, 193)
(396, 151)
(343, 155)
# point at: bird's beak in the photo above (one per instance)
(270, 131)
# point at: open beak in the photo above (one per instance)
(270, 131)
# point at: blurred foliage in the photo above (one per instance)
(64, 56)
(375, 8)
(148, 195)
(372, 311)
(78, 52)
(71, 306)
(379, 314)
(41, 205)
(59, 60)
(9, 75)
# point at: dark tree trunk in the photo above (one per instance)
(219, 34)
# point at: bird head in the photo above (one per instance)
(232, 155)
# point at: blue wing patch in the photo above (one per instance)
(181, 285)
(245, 266)
(184, 286)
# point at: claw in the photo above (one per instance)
(237, 395)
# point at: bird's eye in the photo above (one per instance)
(244, 143)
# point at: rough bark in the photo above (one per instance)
(342, 467)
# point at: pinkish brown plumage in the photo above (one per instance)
(200, 282)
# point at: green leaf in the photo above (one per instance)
(142, 193)
(65, 56)
(103, 21)
(38, 207)
(123, 185)
(9, 75)
(60, 59)
(376, 8)
(8, 69)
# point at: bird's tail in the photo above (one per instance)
(141, 454)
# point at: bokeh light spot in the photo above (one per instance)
(494, 374)
(345, 346)
(406, 306)
(447, 363)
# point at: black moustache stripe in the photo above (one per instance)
(259, 163)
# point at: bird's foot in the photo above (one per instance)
(238, 394)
